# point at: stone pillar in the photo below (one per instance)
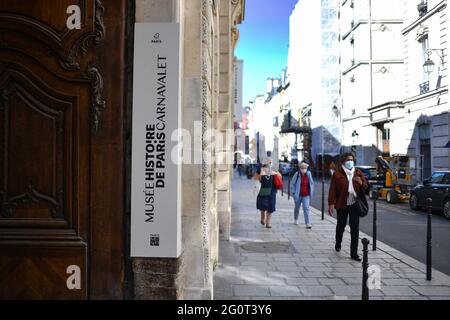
(206, 105)
(158, 278)
(224, 120)
(197, 178)
(231, 13)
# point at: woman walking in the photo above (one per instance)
(267, 196)
(345, 186)
(302, 189)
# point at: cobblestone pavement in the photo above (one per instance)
(290, 262)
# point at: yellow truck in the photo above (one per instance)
(394, 180)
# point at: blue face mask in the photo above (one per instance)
(349, 165)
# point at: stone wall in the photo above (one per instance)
(158, 278)
(209, 35)
(231, 14)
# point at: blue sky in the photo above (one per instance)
(263, 43)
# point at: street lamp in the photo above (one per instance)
(429, 65)
(355, 136)
(335, 112)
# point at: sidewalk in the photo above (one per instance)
(290, 262)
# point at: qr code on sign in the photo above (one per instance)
(154, 240)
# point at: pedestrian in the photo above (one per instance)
(345, 185)
(302, 189)
(267, 196)
(239, 169)
(332, 169)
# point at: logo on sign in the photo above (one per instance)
(156, 38)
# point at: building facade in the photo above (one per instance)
(426, 108)
(269, 114)
(69, 94)
(371, 64)
(402, 105)
(313, 72)
(417, 124)
(239, 112)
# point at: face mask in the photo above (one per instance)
(303, 171)
(349, 165)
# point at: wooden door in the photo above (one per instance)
(61, 150)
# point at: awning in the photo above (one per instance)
(447, 145)
(298, 130)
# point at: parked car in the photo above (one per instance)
(437, 187)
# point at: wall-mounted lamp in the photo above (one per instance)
(429, 65)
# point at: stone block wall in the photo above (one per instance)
(208, 39)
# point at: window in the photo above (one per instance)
(446, 179)
(425, 46)
(275, 122)
(424, 132)
(437, 178)
(424, 87)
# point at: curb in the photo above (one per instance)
(394, 253)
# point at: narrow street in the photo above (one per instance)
(403, 229)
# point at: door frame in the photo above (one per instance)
(128, 104)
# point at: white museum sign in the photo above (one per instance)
(155, 193)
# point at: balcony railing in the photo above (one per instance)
(424, 87)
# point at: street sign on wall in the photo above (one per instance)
(156, 178)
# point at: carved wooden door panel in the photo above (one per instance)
(61, 150)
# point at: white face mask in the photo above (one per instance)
(303, 171)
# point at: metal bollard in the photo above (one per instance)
(374, 230)
(429, 244)
(365, 265)
(289, 186)
(323, 197)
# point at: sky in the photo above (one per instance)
(263, 43)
